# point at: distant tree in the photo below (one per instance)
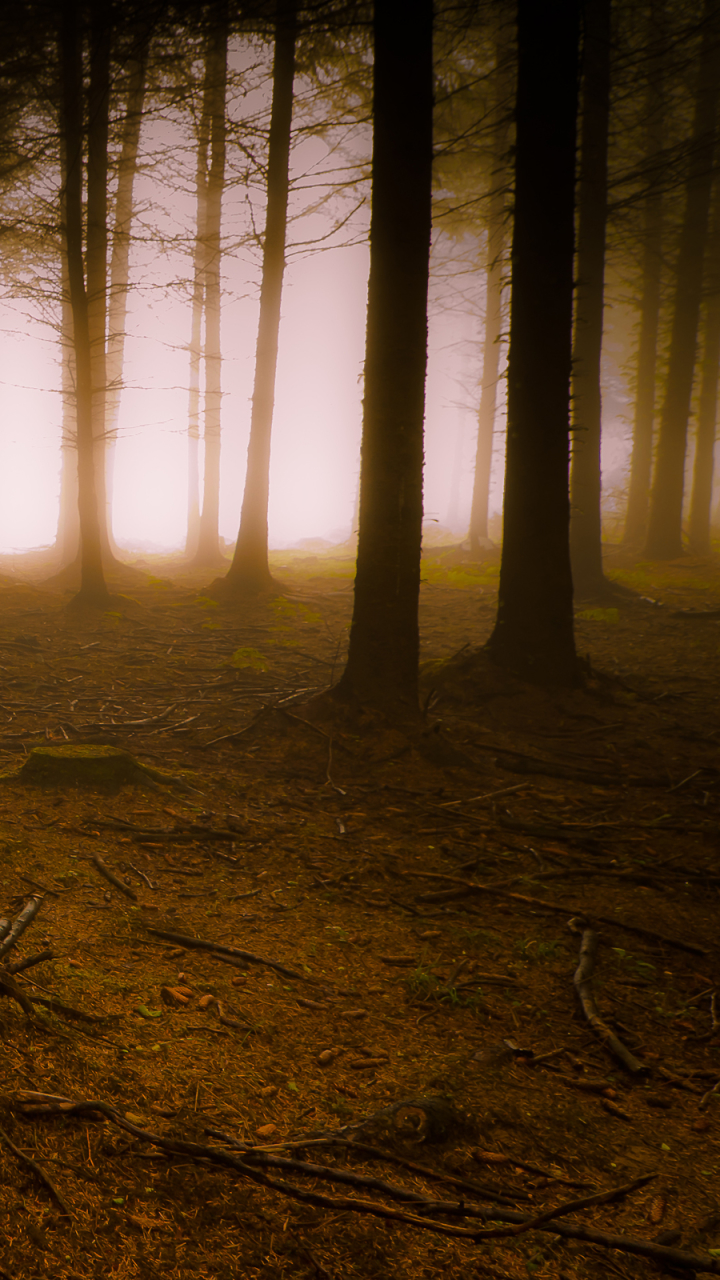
(703, 466)
(585, 478)
(382, 666)
(650, 281)
(533, 634)
(664, 538)
(196, 324)
(249, 571)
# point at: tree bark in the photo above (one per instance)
(98, 125)
(67, 540)
(496, 235)
(382, 667)
(641, 457)
(120, 259)
(250, 571)
(533, 634)
(664, 540)
(93, 589)
(701, 500)
(208, 552)
(198, 307)
(585, 472)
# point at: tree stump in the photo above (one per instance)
(88, 765)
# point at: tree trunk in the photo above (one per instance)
(496, 234)
(198, 307)
(664, 541)
(382, 667)
(641, 458)
(701, 501)
(67, 540)
(533, 633)
(93, 589)
(98, 125)
(208, 549)
(250, 571)
(585, 472)
(120, 259)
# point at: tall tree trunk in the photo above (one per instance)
(250, 571)
(67, 540)
(585, 472)
(208, 549)
(120, 259)
(533, 633)
(664, 540)
(98, 126)
(496, 236)
(641, 457)
(198, 307)
(93, 589)
(382, 667)
(701, 500)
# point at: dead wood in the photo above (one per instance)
(10, 934)
(185, 940)
(29, 962)
(109, 875)
(39, 1173)
(582, 981)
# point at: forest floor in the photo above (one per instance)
(403, 1011)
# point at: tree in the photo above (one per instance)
(382, 666)
(494, 271)
(664, 539)
(249, 571)
(93, 589)
(650, 288)
(585, 473)
(701, 499)
(208, 550)
(533, 633)
(198, 307)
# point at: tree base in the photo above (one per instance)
(88, 765)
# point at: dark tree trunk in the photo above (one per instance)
(496, 235)
(641, 458)
(701, 501)
(198, 307)
(120, 259)
(208, 552)
(67, 541)
(533, 633)
(664, 541)
(93, 589)
(382, 667)
(250, 571)
(585, 472)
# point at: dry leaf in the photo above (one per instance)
(173, 997)
(266, 1130)
(657, 1210)
(205, 1001)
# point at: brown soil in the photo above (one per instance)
(348, 857)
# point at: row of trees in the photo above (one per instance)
(500, 76)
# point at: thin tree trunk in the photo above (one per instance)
(701, 500)
(641, 458)
(120, 260)
(533, 633)
(664, 540)
(585, 471)
(93, 589)
(198, 306)
(208, 549)
(67, 540)
(382, 667)
(250, 571)
(496, 235)
(98, 126)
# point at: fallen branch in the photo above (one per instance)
(17, 966)
(582, 981)
(185, 940)
(539, 904)
(38, 1171)
(661, 1254)
(20, 924)
(109, 875)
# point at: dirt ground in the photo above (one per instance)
(402, 1012)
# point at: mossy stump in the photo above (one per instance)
(86, 765)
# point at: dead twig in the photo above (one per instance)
(13, 931)
(198, 944)
(582, 981)
(39, 1173)
(109, 875)
(17, 966)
